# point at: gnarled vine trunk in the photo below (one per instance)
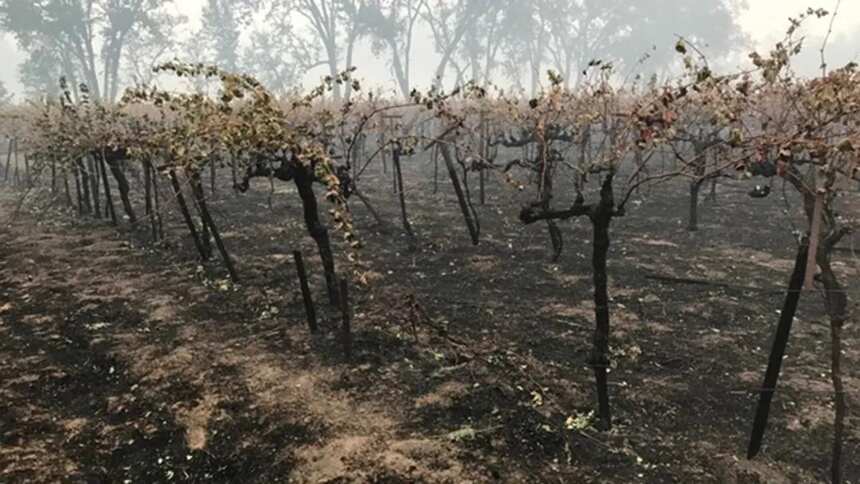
(304, 179)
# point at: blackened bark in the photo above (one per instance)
(210, 227)
(78, 192)
(155, 215)
(837, 309)
(304, 179)
(435, 169)
(147, 188)
(695, 187)
(213, 176)
(398, 173)
(93, 173)
(8, 160)
(471, 224)
(783, 329)
(67, 189)
(601, 217)
(306, 292)
(233, 171)
(99, 160)
(205, 229)
(556, 239)
(345, 329)
(124, 189)
(85, 184)
(186, 215)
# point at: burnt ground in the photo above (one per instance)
(123, 361)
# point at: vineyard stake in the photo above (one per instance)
(306, 292)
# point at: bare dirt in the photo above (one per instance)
(124, 362)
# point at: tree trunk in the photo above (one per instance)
(124, 189)
(80, 195)
(109, 208)
(695, 187)
(600, 349)
(84, 187)
(839, 399)
(304, 184)
(837, 309)
(233, 170)
(68, 190)
(94, 182)
(210, 227)
(186, 215)
(199, 198)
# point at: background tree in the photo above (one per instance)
(41, 69)
(223, 22)
(449, 22)
(279, 61)
(566, 35)
(88, 37)
(5, 96)
(333, 26)
(392, 24)
(151, 47)
(483, 44)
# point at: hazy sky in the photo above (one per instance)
(764, 21)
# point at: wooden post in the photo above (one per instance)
(435, 168)
(306, 292)
(384, 161)
(484, 150)
(398, 179)
(233, 172)
(157, 228)
(147, 188)
(8, 160)
(389, 122)
(345, 330)
(27, 169)
(76, 172)
(814, 236)
(17, 177)
(471, 225)
(777, 352)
